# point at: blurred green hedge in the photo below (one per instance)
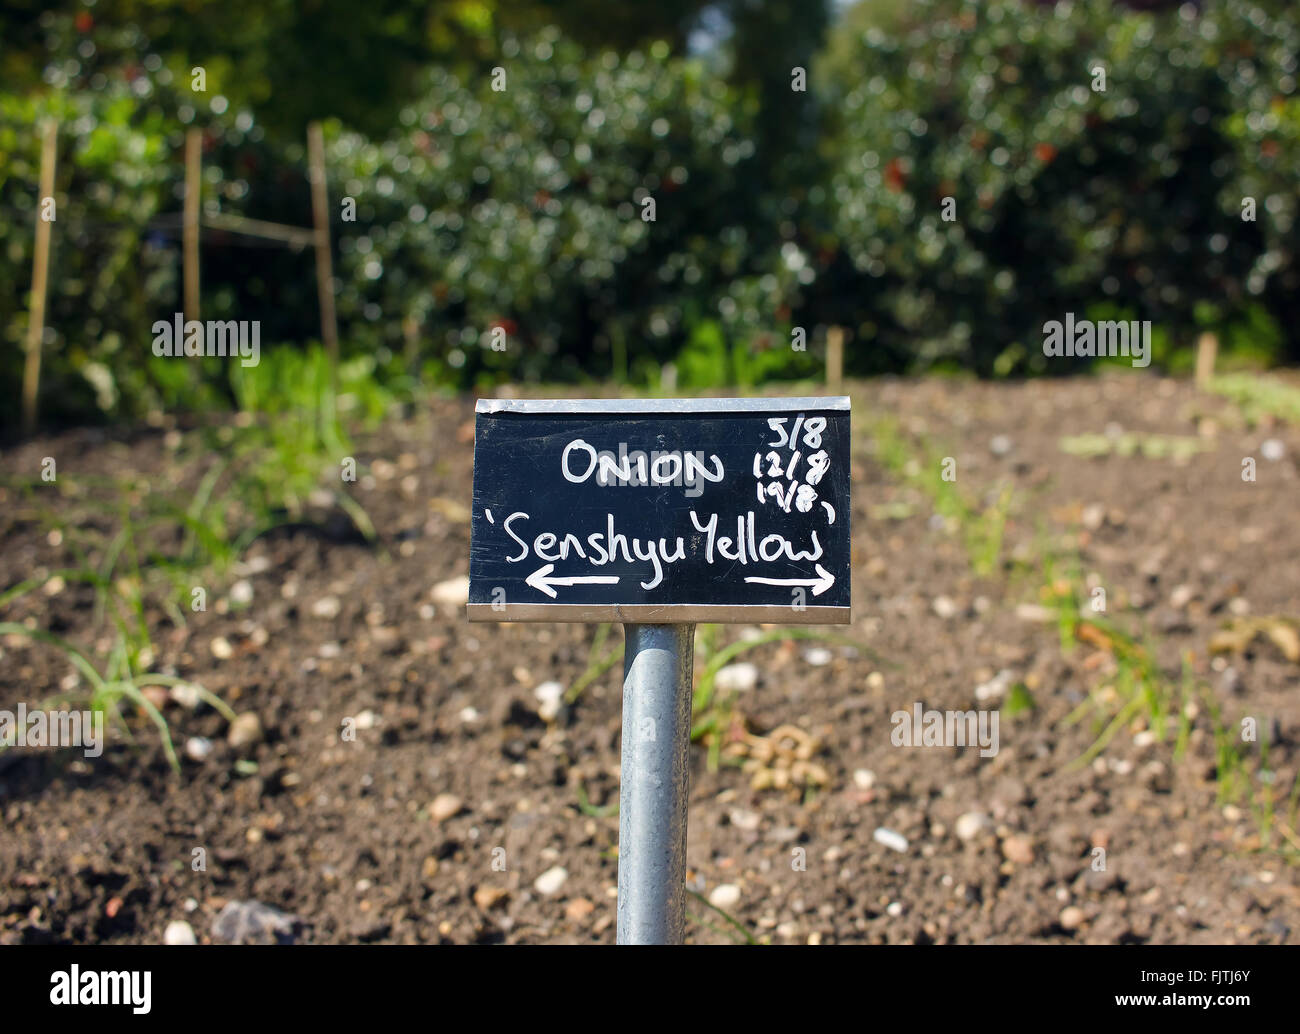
(524, 210)
(1116, 193)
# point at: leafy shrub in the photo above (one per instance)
(521, 209)
(1068, 196)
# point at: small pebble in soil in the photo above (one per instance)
(817, 656)
(944, 607)
(197, 748)
(1181, 596)
(744, 819)
(971, 825)
(454, 592)
(221, 648)
(999, 445)
(1093, 517)
(1272, 449)
(244, 731)
(550, 882)
(179, 932)
(445, 806)
(894, 908)
(996, 687)
(1018, 849)
(1071, 917)
(241, 593)
(550, 696)
(736, 678)
(256, 564)
(326, 607)
(864, 779)
(487, 898)
(251, 922)
(725, 896)
(156, 695)
(894, 841)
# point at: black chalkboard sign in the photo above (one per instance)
(660, 511)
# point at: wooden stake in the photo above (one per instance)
(834, 358)
(1207, 349)
(411, 343)
(193, 182)
(40, 281)
(324, 264)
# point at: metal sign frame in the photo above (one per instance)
(811, 613)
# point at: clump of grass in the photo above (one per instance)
(982, 526)
(1139, 689)
(136, 541)
(115, 684)
(1178, 448)
(290, 439)
(1259, 398)
(597, 664)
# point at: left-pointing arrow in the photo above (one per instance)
(541, 580)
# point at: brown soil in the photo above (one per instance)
(340, 833)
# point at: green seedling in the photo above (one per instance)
(1259, 398)
(117, 683)
(1177, 448)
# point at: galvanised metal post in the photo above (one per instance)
(657, 666)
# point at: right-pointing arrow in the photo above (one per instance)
(819, 585)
